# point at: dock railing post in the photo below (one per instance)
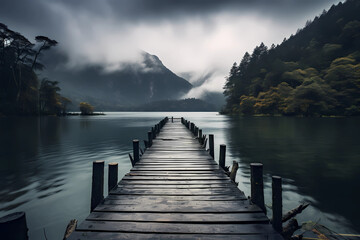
(200, 136)
(172, 119)
(153, 133)
(136, 151)
(277, 203)
(113, 176)
(97, 190)
(211, 145)
(222, 155)
(150, 138)
(257, 185)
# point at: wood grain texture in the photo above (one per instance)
(176, 191)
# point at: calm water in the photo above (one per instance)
(45, 163)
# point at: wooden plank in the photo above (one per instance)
(110, 205)
(139, 199)
(86, 235)
(178, 158)
(172, 164)
(173, 172)
(172, 186)
(176, 192)
(151, 227)
(180, 217)
(174, 182)
(174, 209)
(154, 198)
(184, 178)
(174, 168)
(162, 163)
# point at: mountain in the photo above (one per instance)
(313, 73)
(133, 84)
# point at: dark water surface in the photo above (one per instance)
(45, 163)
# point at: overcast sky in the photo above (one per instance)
(197, 39)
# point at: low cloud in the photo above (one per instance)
(200, 37)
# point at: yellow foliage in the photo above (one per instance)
(343, 61)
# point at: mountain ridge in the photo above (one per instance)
(135, 83)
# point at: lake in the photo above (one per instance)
(45, 163)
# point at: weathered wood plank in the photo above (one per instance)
(174, 168)
(110, 205)
(183, 178)
(172, 186)
(176, 192)
(216, 172)
(151, 227)
(180, 217)
(154, 198)
(175, 182)
(86, 235)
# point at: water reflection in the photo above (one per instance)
(45, 163)
(320, 156)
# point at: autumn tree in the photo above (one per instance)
(86, 108)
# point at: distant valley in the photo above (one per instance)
(133, 87)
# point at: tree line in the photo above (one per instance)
(21, 90)
(313, 73)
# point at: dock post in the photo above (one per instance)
(222, 155)
(200, 136)
(196, 131)
(153, 133)
(172, 119)
(211, 145)
(192, 128)
(277, 203)
(257, 185)
(113, 176)
(150, 138)
(13, 226)
(97, 190)
(136, 150)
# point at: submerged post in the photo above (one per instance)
(257, 185)
(13, 226)
(150, 138)
(136, 150)
(211, 145)
(222, 155)
(113, 176)
(277, 203)
(97, 190)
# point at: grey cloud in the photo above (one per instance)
(198, 36)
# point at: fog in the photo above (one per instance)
(198, 40)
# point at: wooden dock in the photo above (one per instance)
(176, 191)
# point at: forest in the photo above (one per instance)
(315, 72)
(21, 90)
